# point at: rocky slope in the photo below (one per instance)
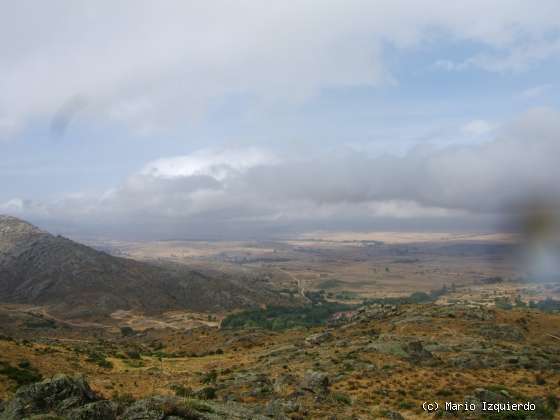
(76, 281)
(64, 397)
(384, 361)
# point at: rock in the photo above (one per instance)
(387, 346)
(413, 319)
(316, 382)
(276, 410)
(71, 398)
(175, 408)
(503, 332)
(318, 338)
(474, 361)
(393, 415)
(59, 394)
(149, 409)
(377, 312)
(283, 382)
(417, 354)
(99, 410)
(465, 312)
(491, 396)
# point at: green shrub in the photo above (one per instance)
(207, 393)
(503, 303)
(444, 392)
(182, 391)
(210, 377)
(341, 398)
(133, 363)
(22, 376)
(279, 317)
(100, 360)
(133, 354)
(124, 399)
(127, 332)
(406, 405)
(198, 406)
(24, 364)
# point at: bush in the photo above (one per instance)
(135, 363)
(127, 332)
(100, 360)
(133, 354)
(182, 391)
(406, 405)
(341, 398)
(207, 393)
(22, 376)
(39, 322)
(552, 402)
(210, 377)
(503, 303)
(547, 305)
(444, 392)
(124, 399)
(198, 406)
(279, 317)
(419, 297)
(416, 297)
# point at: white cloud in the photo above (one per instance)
(515, 59)
(477, 127)
(247, 189)
(13, 205)
(536, 91)
(151, 64)
(214, 163)
(518, 59)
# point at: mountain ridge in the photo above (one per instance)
(78, 281)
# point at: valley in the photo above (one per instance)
(371, 327)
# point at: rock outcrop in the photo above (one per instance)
(72, 398)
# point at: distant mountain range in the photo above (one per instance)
(74, 280)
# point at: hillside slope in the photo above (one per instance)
(75, 280)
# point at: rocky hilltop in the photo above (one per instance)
(15, 232)
(78, 281)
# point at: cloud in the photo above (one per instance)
(151, 64)
(255, 192)
(517, 59)
(65, 114)
(536, 91)
(477, 127)
(215, 163)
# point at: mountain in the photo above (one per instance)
(78, 281)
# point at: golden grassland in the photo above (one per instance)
(389, 382)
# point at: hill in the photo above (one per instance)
(78, 281)
(380, 362)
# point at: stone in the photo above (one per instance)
(99, 410)
(318, 338)
(58, 394)
(316, 382)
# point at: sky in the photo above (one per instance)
(181, 119)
